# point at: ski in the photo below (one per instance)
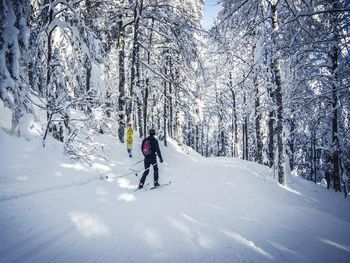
(145, 187)
(160, 186)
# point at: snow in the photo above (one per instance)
(215, 210)
(27, 127)
(5, 116)
(97, 80)
(259, 51)
(24, 35)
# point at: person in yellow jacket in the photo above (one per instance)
(129, 139)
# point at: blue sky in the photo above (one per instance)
(210, 11)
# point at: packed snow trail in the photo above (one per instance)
(215, 210)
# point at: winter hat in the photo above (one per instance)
(152, 132)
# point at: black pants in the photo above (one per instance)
(129, 152)
(148, 162)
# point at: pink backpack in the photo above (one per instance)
(147, 148)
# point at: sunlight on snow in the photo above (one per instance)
(101, 167)
(22, 178)
(151, 236)
(101, 191)
(193, 234)
(249, 219)
(335, 244)
(290, 190)
(124, 183)
(282, 248)
(246, 242)
(191, 219)
(212, 205)
(75, 166)
(127, 197)
(153, 239)
(205, 242)
(89, 225)
(180, 226)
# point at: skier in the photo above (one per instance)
(150, 149)
(129, 139)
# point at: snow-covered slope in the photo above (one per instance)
(215, 210)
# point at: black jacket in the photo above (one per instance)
(154, 146)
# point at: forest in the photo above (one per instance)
(269, 82)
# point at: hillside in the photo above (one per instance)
(215, 210)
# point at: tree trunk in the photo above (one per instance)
(334, 73)
(291, 144)
(171, 115)
(271, 115)
(134, 77)
(221, 133)
(165, 117)
(271, 133)
(246, 138)
(121, 98)
(49, 100)
(145, 106)
(179, 128)
(207, 141)
(88, 84)
(140, 116)
(48, 66)
(259, 143)
(335, 139)
(145, 102)
(234, 120)
(49, 52)
(245, 130)
(279, 101)
(222, 150)
(197, 138)
(314, 156)
(223, 143)
(202, 139)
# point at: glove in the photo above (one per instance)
(161, 160)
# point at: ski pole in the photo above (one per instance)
(136, 163)
(130, 173)
(118, 176)
(137, 173)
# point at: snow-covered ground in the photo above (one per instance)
(215, 210)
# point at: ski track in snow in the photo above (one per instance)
(215, 210)
(46, 189)
(39, 243)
